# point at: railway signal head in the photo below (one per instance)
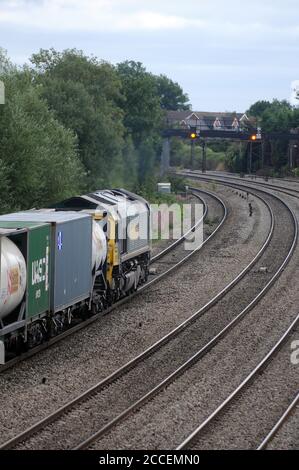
(193, 134)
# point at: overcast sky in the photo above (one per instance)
(225, 54)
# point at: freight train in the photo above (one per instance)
(63, 264)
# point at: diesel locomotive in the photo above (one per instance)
(63, 264)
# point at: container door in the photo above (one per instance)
(73, 263)
(39, 271)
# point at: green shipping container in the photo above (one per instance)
(35, 246)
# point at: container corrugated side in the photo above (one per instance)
(38, 262)
(72, 268)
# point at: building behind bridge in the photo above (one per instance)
(209, 120)
(228, 121)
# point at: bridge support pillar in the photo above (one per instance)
(250, 158)
(263, 154)
(192, 143)
(204, 157)
(165, 156)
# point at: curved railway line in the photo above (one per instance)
(125, 400)
(157, 278)
(206, 426)
(215, 178)
(192, 361)
(191, 440)
(270, 436)
(203, 350)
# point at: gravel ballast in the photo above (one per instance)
(188, 401)
(118, 337)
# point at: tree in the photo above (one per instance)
(84, 93)
(5, 64)
(38, 156)
(142, 112)
(130, 158)
(276, 116)
(258, 108)
(74, 121)
(171, 94)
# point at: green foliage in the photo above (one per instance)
(234, 157)
(181, 155)
(83, 93)
(73, 123)
(6, 190)
(171, 94)
(258, 108)
(130, 161)
(142, 110)
(38, 156)
(275, 116)
(278, 116)
(146, 160)
(178, 183)
(5, 64)
(214, 159)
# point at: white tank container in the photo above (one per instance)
(99, 246)
(13, 277)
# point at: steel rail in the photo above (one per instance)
(161, 386)
(279, 423)
(122, 301)
(84, 444)
(242, 385)
(183, 367)
(126, 367)
(173, 245)
(215, 178)
(248, 175)
(216, 412)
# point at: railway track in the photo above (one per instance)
(156, 258)
(213, 426)
(141, 289)
(191, 442)
(281, 421)
(248, 176)
(215, 177)
(136, 400)
(192, 359)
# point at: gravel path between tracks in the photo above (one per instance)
(188, 401)
(107, 344)
(251, 416)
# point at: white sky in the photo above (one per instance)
(226, 55)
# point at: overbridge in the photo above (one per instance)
(201, 136)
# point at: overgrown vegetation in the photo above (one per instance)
(73, 123)
(273, 117)
(181, 154)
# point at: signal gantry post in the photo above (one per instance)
(253, 137)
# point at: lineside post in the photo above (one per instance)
(165, 156)
(192, 154)
(204, 157)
